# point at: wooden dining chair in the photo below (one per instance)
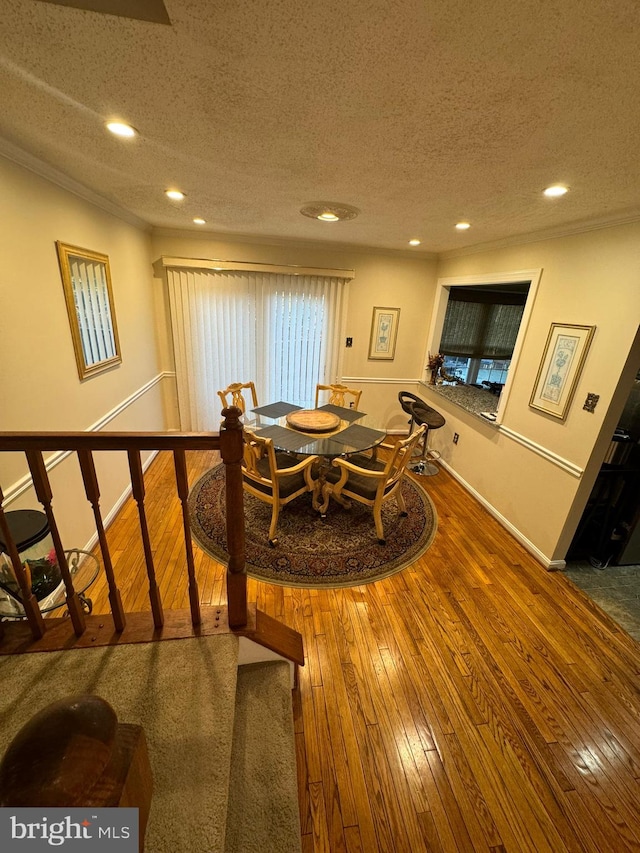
(233, 396)
(337, 395)
(274, 477)
(373, 482)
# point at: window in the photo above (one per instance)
(487, 320)
(480, 329)
(280, 330)
(492, 371)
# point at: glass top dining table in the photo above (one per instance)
(355, 433)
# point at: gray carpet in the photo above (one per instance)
(182, 692)
(263, 789)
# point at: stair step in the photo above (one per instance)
(262, 814)
(182, 693)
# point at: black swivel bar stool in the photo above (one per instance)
(421, 413)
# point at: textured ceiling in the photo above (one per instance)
(418, 113)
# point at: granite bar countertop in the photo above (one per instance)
(474, 400)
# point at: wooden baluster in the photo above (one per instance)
(92, 490)
(137, 484)
(29, 601)
(45, 496)
(180, 462)
(231, 447)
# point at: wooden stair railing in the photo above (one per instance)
(228, 441)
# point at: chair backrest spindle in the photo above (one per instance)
(234, 392)
(337, 394)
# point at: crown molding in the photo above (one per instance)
(229, 237)
(570, 230)
(33, 164)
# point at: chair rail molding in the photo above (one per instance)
(24, 483)
(549, 455)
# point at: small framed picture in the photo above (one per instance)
(384, 331)
(562, 362)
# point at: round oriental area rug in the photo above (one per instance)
(340, 550)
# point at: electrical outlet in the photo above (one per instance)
(349, 342)
(455, 437)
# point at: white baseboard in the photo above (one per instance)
(547, 562)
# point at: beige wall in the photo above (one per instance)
(531, 473)
(40, 388)
(592, 279)
(382, 279)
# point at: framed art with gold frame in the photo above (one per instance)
(384, 331)
(562, 362)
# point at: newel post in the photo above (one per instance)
(231, 449)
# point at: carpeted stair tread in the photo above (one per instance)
(182, 692)
(263, 812)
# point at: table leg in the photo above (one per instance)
(321, 489)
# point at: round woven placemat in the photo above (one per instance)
(313, 420)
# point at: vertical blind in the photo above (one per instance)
(281, 331)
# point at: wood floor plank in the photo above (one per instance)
(333, 801)
(334, 752)
(473, 702)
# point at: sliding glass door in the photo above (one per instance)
(281, 331)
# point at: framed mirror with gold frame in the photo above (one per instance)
(88, 294)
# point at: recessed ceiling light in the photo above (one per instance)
(119, 128)
(176, 195)
(414, 242)
(555, 191)
(462, 226)
(199, 221)
(329, 211)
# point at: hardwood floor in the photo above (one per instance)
(471, 702)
